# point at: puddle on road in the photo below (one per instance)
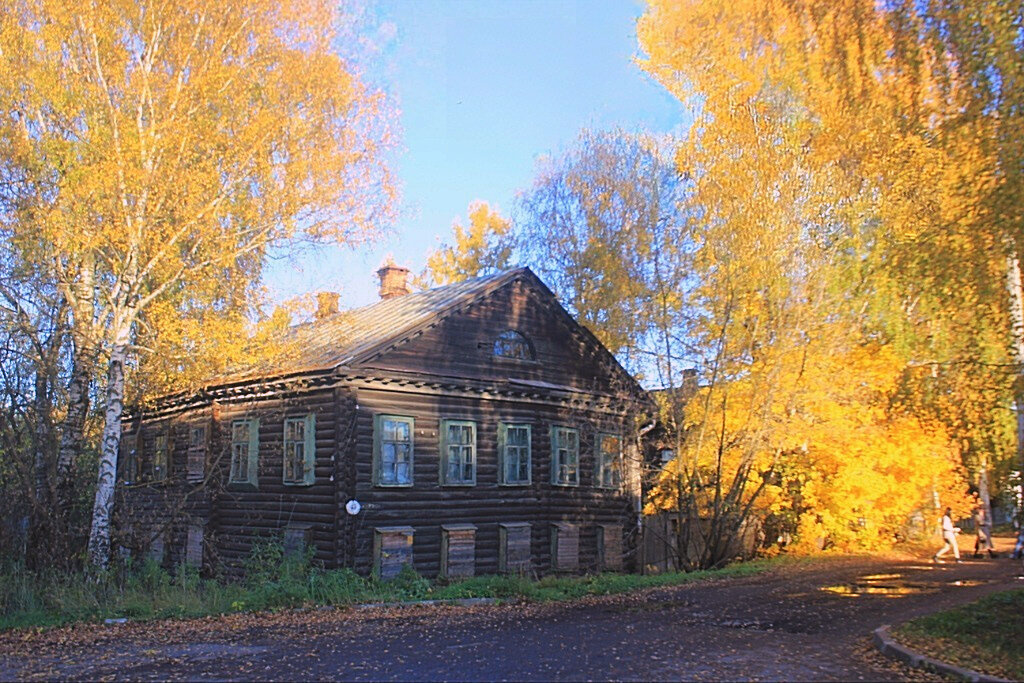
(895, 586)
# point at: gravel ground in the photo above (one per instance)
(804, 622)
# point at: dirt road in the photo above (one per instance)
(798, 623)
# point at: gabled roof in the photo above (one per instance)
(348, 337)
(351, 337)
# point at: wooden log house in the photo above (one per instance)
(470, 429)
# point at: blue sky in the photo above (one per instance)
(484, 88)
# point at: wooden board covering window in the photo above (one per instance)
(194, 546)
(458, 550)
(565, 546)
(392, 549)
(296, 538)
(609, 546)
(514, 547)
(156, 548)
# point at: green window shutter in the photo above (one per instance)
(554, 455)
(254, 451)
(309, 468)
(376, 450)
(442, 461)
(502, 435)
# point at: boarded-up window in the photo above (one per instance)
(156, 547)
(458, 550)
(392, 450)
(565, 547)
(513, 454)
(245, 448)
(197, 441)
(458, 452)
(514, 547)
(565, 456)
(299, 450)
(194, 546)
(609, 461)
(609, 546)
(296, 538)
(392, 549)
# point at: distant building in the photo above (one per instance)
(469, 429)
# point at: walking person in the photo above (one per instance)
(949, 533)
(982, 529)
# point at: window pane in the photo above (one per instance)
(240, 431)
(402, 431)
(402, 473)
(388, 454)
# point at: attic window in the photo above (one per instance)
(511, 344)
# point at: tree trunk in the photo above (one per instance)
(83, 364)
(99, 535)
(1013, 285)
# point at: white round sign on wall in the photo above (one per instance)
(353, 507)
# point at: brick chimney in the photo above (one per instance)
(326, 304)
(394, 280)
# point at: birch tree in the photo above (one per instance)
(166, 143)
(482, 247)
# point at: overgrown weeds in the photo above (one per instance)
(277, 580)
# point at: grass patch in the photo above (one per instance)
(276, 581)
(985, 635)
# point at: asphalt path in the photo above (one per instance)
(805, 622)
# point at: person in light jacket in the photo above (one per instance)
(949, 533)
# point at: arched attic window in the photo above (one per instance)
(511, 344)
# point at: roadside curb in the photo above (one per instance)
(893, 650)
(457, 602)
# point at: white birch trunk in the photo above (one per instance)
(1013, 286)
(102, 511)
